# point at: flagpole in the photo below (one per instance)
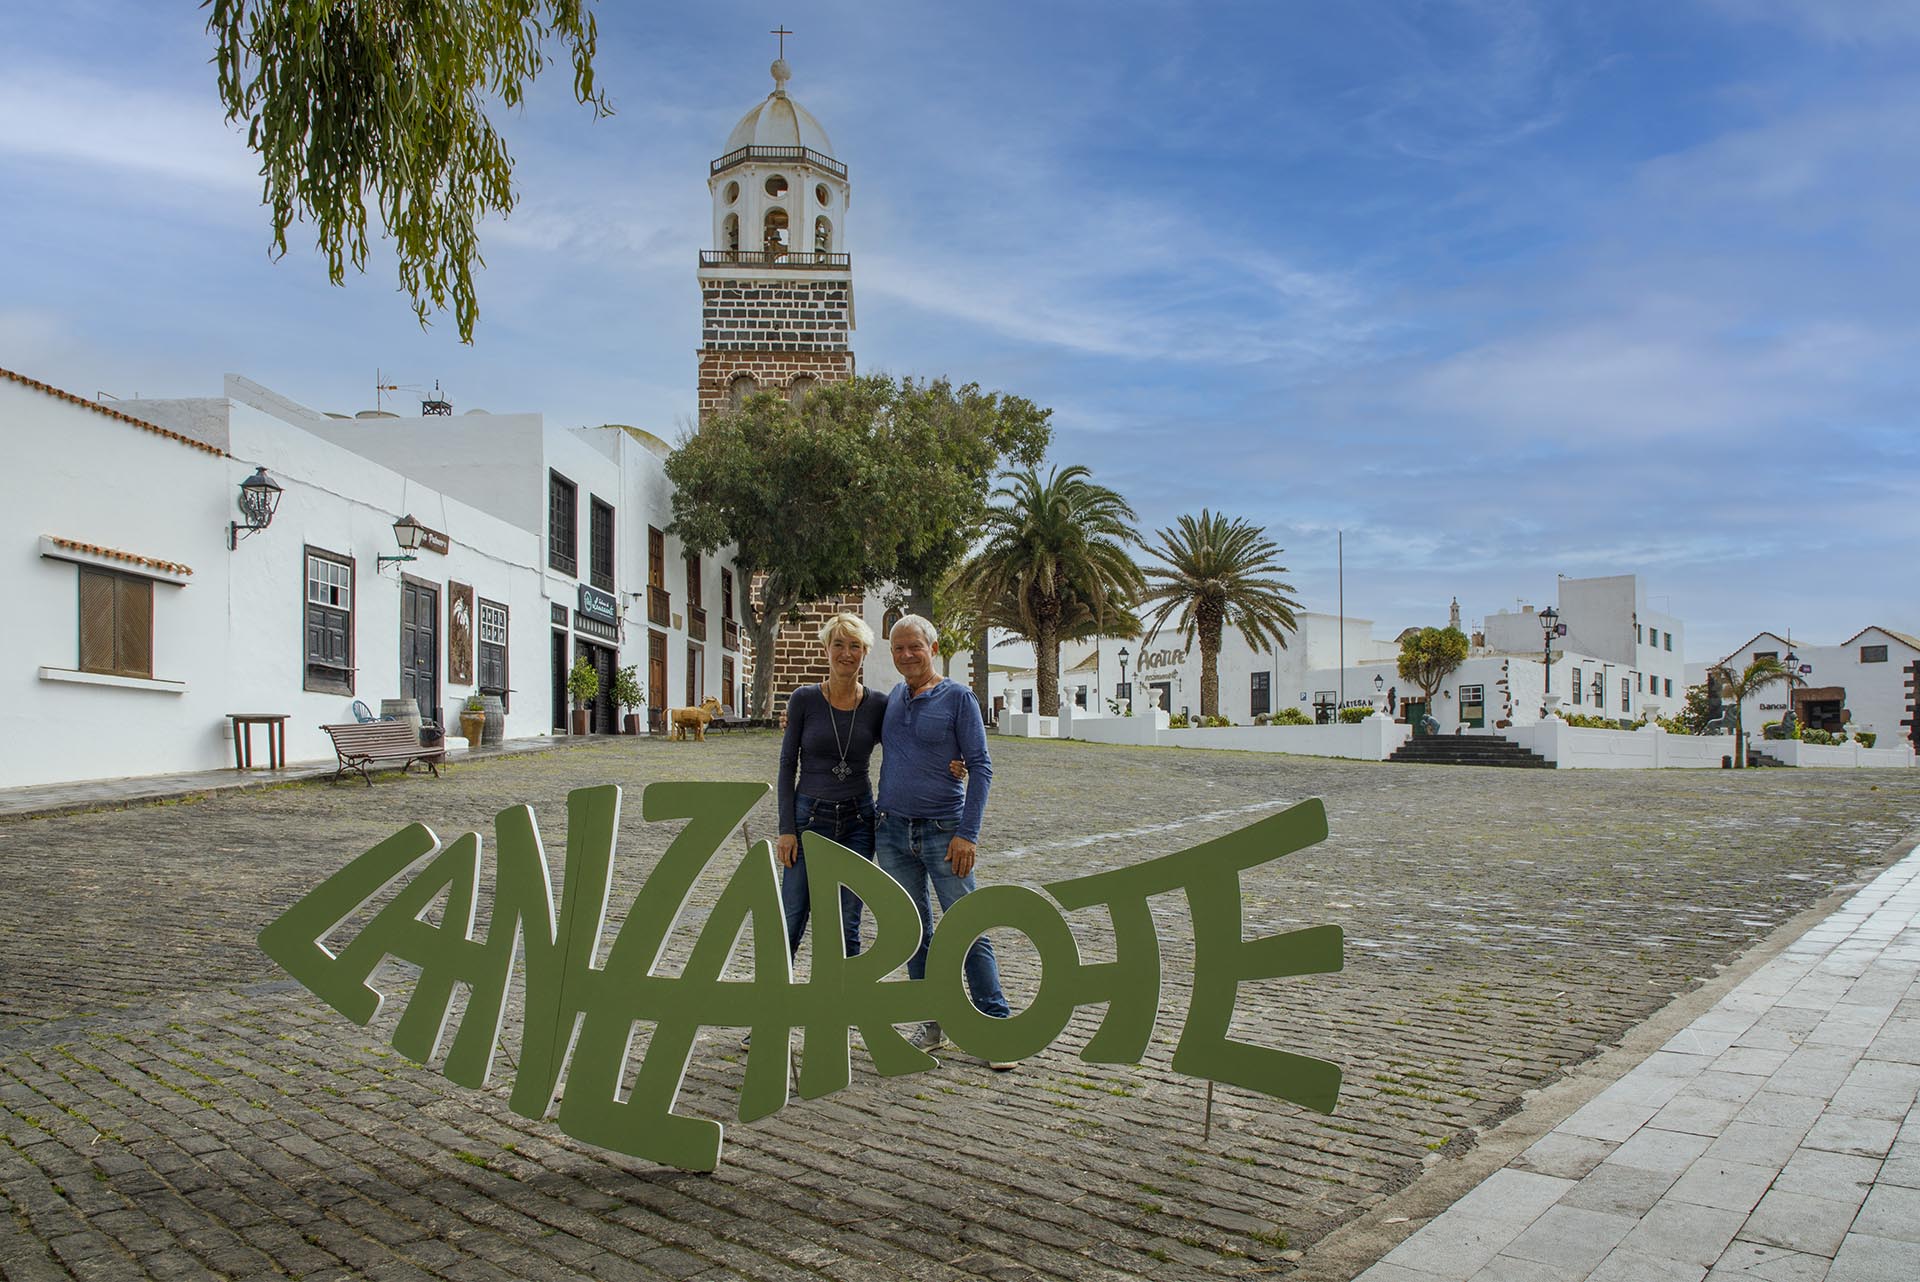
(1341, 544)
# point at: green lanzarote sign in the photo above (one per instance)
(580, 1016)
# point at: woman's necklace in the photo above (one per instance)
(842, 771)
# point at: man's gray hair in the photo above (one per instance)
(923, 626)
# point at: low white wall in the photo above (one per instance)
(1029, 725)
(1144, 729)
(1578, 748)
(1373, 739)
(1795, 753)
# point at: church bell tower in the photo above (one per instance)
(776, 289)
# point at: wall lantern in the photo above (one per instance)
(409, 534)
(259, 496)
(1379, 684)
(1599, 686)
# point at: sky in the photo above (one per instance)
(1490, 291)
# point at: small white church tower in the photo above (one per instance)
(777, 287)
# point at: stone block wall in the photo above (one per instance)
(804, 314)
(771, 372)
(797, 654)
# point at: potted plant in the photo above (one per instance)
(583, 687)
(626, 693)
(473, 721)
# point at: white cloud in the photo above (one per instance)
(74, 119)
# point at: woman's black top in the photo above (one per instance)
(816, 733)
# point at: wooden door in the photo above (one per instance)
(420, 648)
(657, 676)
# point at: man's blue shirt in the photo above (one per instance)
(920, 735)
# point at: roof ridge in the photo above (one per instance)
(98, 408)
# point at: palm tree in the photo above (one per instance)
(1055, 553)
(1214, 576)
(1736, 689)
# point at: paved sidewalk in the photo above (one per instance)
(94, 794)
(1775, 1137)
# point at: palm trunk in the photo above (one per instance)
(1209, 675)
(979, 674)
(1046, 659)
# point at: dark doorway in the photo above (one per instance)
(603, 660)
(559, 680)
(1416, 713)
(1166, 693)
(420, 648)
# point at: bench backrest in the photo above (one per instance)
(374, 738)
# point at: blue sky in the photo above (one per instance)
(1502, 289)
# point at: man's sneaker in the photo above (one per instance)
(1003, 1065)
(929, 1037)
(746, 1041)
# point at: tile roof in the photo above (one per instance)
(98, 408)
(132, 558)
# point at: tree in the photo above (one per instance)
(346, 99)
(1214, 575)
(1737, 688)
(1430, 656)
(1049, 545)
(792, 494)
(1692, 717)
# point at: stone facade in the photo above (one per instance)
(800, 313)
(797, 655)
(770, 371)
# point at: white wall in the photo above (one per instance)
(1649, 748)
(1876, 693)
(1374, 739)
(233, 638)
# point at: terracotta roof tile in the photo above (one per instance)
(98, 408)
(132, 558)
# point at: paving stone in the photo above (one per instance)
(1755, 1145)
(1799, 1222)
(1668, 1152)
(1891, 1212)
(1840, 1176)
(1699, 1116)
(1863, 1258)
(1688, 1235)
(1570, 1239)
(1619, 1190)
(1752, 1261)
(1567, 1156)
(1860, 1136)
(1729, 1186)
(1626, 1265)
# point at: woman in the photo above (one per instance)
(832, 729)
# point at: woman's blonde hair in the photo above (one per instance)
(851, 625)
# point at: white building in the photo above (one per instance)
(1637, 654)
(1866, 682)
(143, 629)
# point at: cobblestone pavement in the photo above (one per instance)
(174, 1108)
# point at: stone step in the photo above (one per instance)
(1464, 750)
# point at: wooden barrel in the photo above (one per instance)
(496, 710)
(402, 710)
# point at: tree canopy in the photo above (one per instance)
(1215, 572)
(349, 99)
(1054, 548)
(1430, 655)
(866, 481)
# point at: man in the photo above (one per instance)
(929, 822)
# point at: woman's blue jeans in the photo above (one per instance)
(849, 823)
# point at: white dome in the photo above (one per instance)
(779, 121)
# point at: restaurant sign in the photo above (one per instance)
(598, 605)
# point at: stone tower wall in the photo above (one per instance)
(797, 655)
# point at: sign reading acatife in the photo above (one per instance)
(564, 987)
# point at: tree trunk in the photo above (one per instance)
(1046, 660)
(920, 601)
(979, 674)
(1209, 667)
(763, 626)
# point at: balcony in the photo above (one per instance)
(730, 634)
(778, 156)
(775, 258)
(696, 623)
(659, 607)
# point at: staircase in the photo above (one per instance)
(1468, 750)
(1758, 757)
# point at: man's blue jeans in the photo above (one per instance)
(851, 824)
(914, 852)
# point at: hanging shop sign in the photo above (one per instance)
(599, 606)
(556, 944)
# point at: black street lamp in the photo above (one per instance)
(1792, 665)
(1549, 621)
(259, 496)
(410, 535)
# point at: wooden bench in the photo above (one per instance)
(359, 745)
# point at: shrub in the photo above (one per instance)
(1178, 721)
(1813, 734)
(626, 687)
(1865, 737)
(583, 683)
(1215, 723)
(1291, 716)
(1349, 716)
